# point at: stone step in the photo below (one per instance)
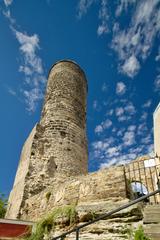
(155, 206)
(151, 214)
(154, 235)
(151, 221)
(151, 218)
(152, 210)
(103, 230)
(152, 228)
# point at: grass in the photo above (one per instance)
(137, 234)
(65, 214)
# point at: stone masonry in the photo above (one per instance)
(53, 170)
(57, 146)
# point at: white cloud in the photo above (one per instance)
(11, 91)
(119, 111)
(147, 139)
(135, 43)
(110, 112)
(96, 106)
(124, 5)
(120, 88)
(103, 16)
(158, 55)
(144, 116)
(7, 14)
(142, 129)
(120, 132)
(131, 66)
(147, 104)
(8, 2)
(132, 128)
(104, 125)
(83, 6)
(129, 138)
(130, 108)
(98, 129)
(123, 118)
(104, 87)
(31, 97)
(31, 66)
(157, 83)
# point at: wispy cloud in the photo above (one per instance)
(130, 108)
(104, 87)
(96, 106)
(124, 4)
(103, 16)
(8, 2)
(120, 88)
(133, 45)
(119, 111)
(11, 91)
(129, 138)
(103, 126)
(147, 104)
(31, 66)
(158, 55)
(157, 83)
(131, 66)
(83, 6)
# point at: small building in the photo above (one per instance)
(10, 229)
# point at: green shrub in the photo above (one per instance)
(47, 223)
(139, 234)
(3, 205)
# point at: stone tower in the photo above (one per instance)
(64, 119)
(57, 146)
(156, 120)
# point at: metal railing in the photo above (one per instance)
(104, 216)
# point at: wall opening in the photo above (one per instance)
(138, 189)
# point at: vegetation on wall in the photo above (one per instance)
(64, 216)
(137, 234)
(3, 205)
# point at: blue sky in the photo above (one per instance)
(117, 45)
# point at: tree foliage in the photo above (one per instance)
(3, 205)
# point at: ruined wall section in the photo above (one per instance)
(57, 147)
(17, 193)
(104, 187)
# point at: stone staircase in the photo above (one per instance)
(117, 227)
(151, 221)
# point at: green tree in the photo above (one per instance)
(3, 205)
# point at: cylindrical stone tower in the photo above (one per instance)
(57, 146)
(64, 118)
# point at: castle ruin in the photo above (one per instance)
(53, 165)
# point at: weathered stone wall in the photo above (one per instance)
(156, 119)
(64, 119)
(103, 186)
(57, 147)
(17, 193)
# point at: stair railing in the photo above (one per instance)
(104, 216)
